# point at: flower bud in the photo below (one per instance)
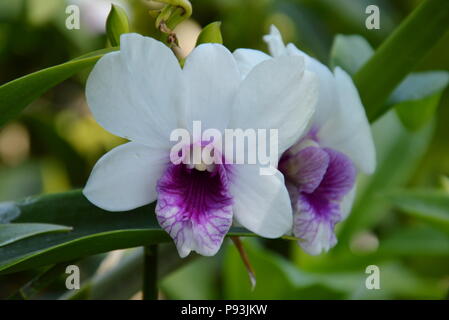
(210, 34)
(116, 24)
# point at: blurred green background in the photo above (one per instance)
(54, 144)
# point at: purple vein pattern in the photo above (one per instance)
(317, 180)
(195, 207)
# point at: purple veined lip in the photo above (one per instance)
(317, 179)
(195, 205)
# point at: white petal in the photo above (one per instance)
(261, 203)
(137, 93)
(275, 43)
(247, 59)
(277, 94)
(323, 238)
(213, 77)
(348, 130)
(327, 93)
(125, 177)
(347, 202)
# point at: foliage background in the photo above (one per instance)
(55, 142)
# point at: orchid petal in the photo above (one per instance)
(349, 131)
(347, 202)
(317, 235)
(138, 92)
(316, 213)
(125, 177)
(327, 94)
(275, 44)
(247, 59)
(213, 78)
(306, 168)
(277, 94)
(261, 202)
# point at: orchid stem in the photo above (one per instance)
(149, 287)
(249, 268)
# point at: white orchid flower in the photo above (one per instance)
(320, 169)
(141, 93)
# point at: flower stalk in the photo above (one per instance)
(149, 283)
(170, 16)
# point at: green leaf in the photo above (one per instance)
(418, 96)
(415, 99)
(10, 233)
(39, 283)
(17, 94)
(431, 207)
(116, 24)
(94, 230)
(399, 54)
(210, 34)
(96, 53)
(350, 52)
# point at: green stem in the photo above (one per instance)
(400, 53)
(149, 283)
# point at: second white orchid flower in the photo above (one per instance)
(320, 169)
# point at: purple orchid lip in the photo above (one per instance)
(195, 206)
(317, 179)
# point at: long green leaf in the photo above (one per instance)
(17, 94)
(10, 233)
(417, 96)
(94, 231)
(399, 54)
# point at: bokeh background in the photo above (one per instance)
(55, 142)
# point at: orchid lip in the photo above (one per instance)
(318, 179)
(195, 206)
